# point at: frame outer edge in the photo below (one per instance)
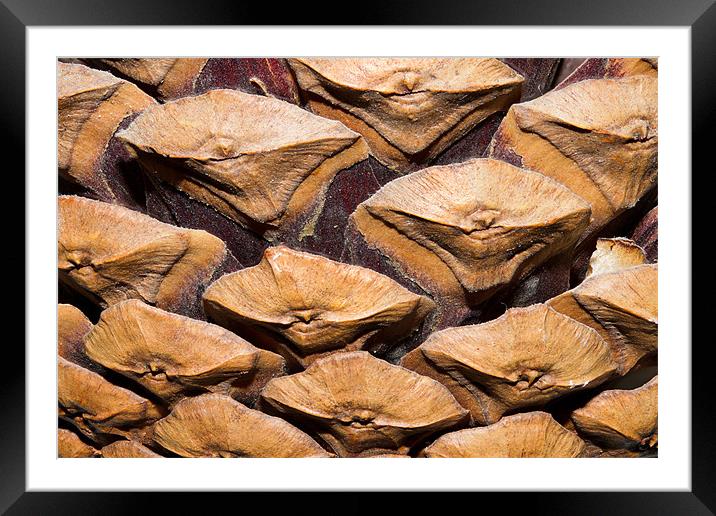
(703, 78)
(395, 12)
(701, 14)
(12, 379)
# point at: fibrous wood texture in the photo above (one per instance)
(375, 257)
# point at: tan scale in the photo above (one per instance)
(174, 356)
(91, 104)
(171, 77)
(621, 419)
(469, 229)
(69, 445)
(361, 405)
(214, 425)
(528, 435)
(110, 253)
(128, 450)
(257, 160)
(614, 254)
(99, 409)
(598, 137)
(525, 358)
(305, 306)
(409, 109)
(622, 305)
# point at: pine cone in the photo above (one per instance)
(357, 257)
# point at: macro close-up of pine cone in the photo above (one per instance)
(357, 257)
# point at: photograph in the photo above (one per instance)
(357, 257)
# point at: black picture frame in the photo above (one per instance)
(700, 15)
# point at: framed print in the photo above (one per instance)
(431, 234)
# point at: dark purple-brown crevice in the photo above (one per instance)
(646, 234)
(260, 76)
(539, 74)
